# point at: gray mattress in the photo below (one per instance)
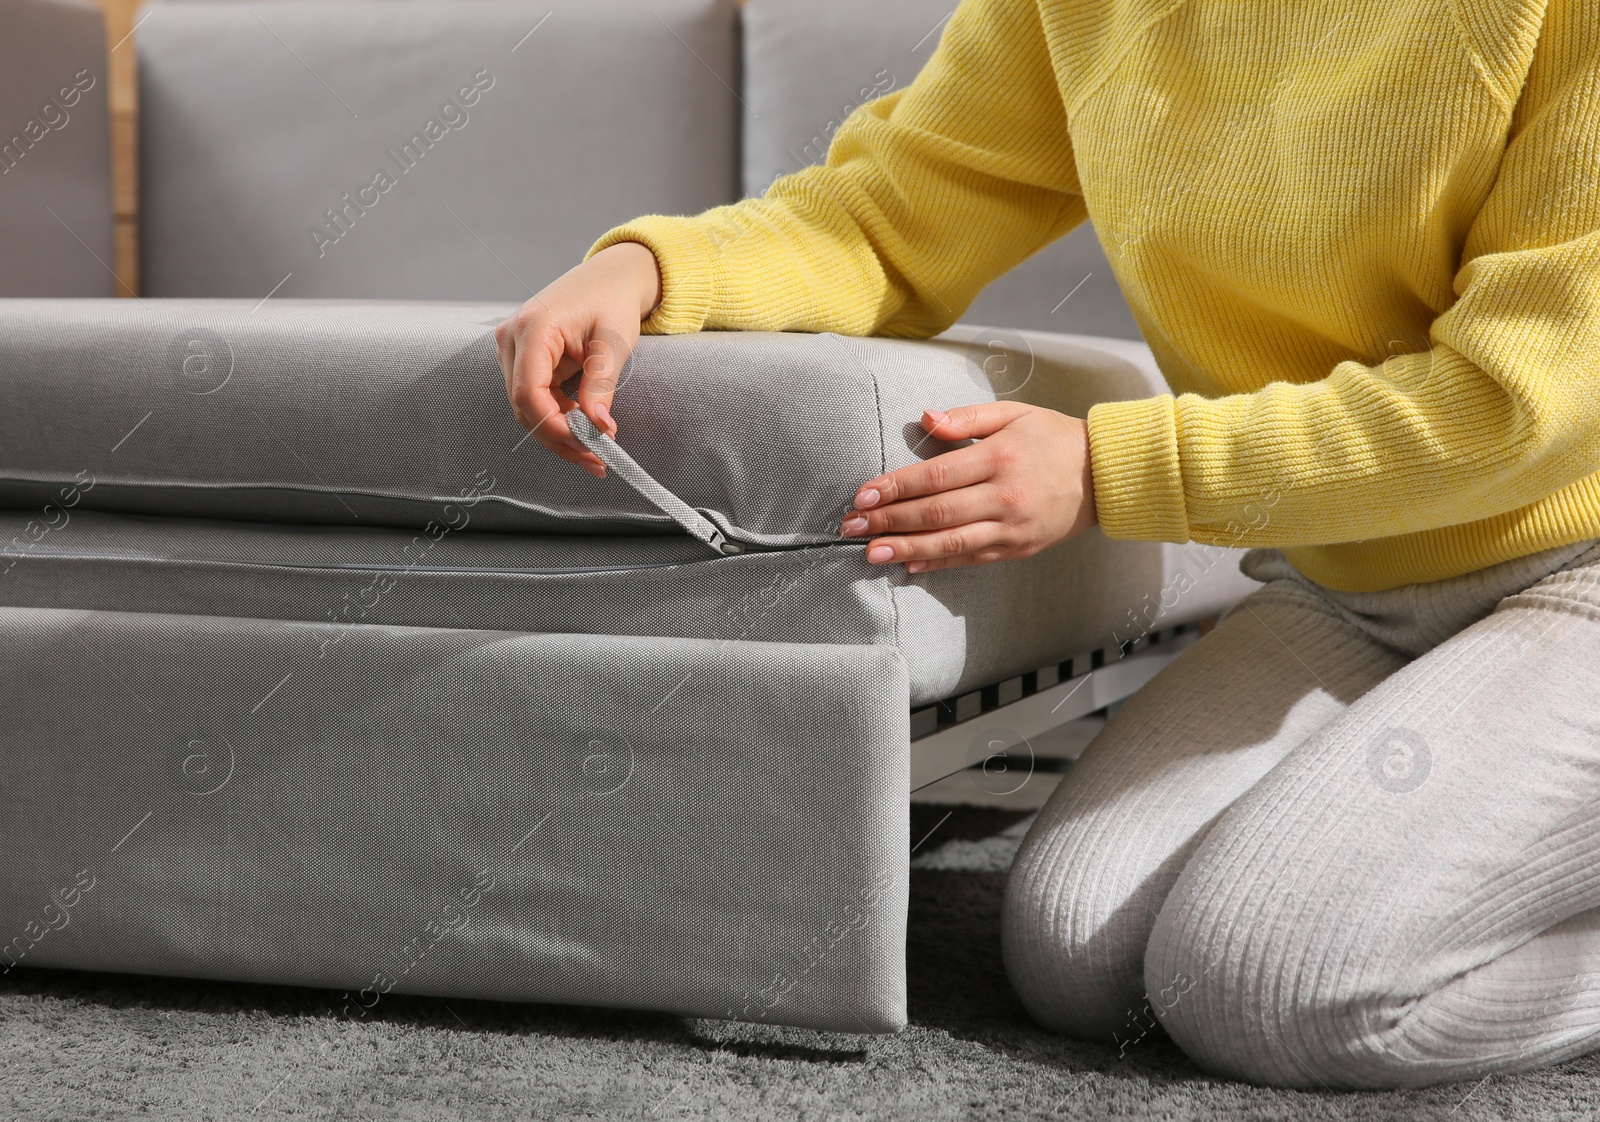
(715, 829)
(383, 413)
(284, 461)
(956, 628)
(316, 670)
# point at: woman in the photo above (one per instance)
(1352, 839)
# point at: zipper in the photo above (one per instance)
(703, 525)
(695, 523)
(248, 552)
(9, 557)
(699, 524)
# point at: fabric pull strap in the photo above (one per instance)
(612, 455)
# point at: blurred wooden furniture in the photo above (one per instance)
(120, 16)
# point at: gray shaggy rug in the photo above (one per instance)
(77, 1046)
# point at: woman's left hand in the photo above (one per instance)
(1024, 486)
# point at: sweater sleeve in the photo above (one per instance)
(1501, 411)
(928, 193)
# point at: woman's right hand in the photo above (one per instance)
(587, 319)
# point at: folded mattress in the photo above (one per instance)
(343, 462)
(957, 629)
(711, 828)
(319, 670)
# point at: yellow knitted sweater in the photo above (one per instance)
(1362, 238)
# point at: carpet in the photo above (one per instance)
(77, 1046)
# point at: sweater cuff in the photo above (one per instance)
(1138, 484)
(687, 260)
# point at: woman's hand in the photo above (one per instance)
(587, 319)
(1026, 485)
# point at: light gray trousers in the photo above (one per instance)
(1346, 840)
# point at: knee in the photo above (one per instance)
(1252, 994)
(1076, 918)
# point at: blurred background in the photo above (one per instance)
(243, 140)
(120, 16)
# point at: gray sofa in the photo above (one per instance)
(55, 168)
(318, 671)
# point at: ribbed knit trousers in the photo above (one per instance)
(1347, 840)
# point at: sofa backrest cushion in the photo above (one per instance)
(426, 150)
(55, 156)
(809, 63)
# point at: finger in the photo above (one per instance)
(572, 450)
(505, 347)
(961, 468)
(530, 363)
(568, 369)
(540, 406)
(587, 460)
(537, 402)
(934, 544)
(950, 508)
(970, 421)
(608, 351)
(563, 402)
(964, 560)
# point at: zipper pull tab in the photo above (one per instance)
(611, 454)
(722, 543)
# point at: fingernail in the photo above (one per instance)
(606, 420)
(854, 526)
(575, 444)
(916, 566)
(880, 553)
(937, 416)
(868, 498)
(595, 470)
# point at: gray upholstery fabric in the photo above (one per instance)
(716, 829)
(256, 119)
(380, 415)
(55, 151)
(385, 413)
(631, 472)
(957, 629)
(808, 63)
